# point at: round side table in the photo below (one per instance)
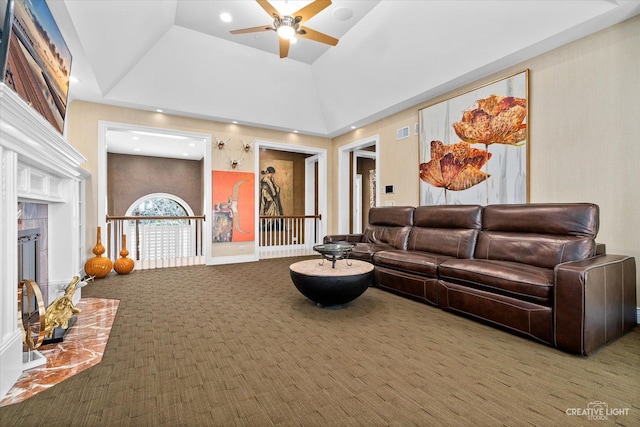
(329, 286)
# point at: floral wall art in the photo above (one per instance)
(474, 147)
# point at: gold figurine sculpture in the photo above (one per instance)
(60, 311)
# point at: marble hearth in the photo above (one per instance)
(38, 166)
(81, 349)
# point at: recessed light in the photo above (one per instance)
(354, 127)
(342, 13)
(74, 79)
(185, 154)
(136, 149)
(226, 17)
(158, 110)
(235, 122)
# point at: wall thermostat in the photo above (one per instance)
(388, 189)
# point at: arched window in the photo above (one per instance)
(160, 204)
(159, 238)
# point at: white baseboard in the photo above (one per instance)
(233, 259)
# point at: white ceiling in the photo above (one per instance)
(178, 55)
(139, 142)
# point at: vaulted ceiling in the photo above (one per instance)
(177, 55)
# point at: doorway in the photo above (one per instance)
(309, 230)
(144, 153)
(348, 155)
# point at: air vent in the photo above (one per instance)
(402, 133)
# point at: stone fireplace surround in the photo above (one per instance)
(37, 165)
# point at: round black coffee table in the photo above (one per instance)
(329, 286)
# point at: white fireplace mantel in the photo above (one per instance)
(39, 165)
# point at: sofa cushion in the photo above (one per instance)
(448, 230)
(365, 251)
(395, 237)
(389, 226)
(399, 216)
(423, 263)
(576, 219)
(522, 281)
(542, 235)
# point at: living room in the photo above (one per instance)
(582, 141)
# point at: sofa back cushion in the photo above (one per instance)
(389, 225)
(449, 230)
(543, 235)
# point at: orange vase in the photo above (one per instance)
(98, 266)
(124, 265)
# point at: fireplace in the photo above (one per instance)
(33, 250)
(41, 187)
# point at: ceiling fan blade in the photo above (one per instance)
(272, 11)
(252, 29)
(312, 9)
(284, 47)
(308, 33)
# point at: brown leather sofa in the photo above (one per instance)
(532, 269)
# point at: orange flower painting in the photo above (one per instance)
(454, 167)
(474, 147)
(497, 120)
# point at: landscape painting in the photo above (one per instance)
(39, 63)
(474, 147)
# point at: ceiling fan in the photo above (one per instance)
(288, 26)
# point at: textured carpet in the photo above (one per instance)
(238, 345)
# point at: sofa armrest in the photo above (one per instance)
(594, 302)
(351, 238)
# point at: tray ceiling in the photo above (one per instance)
(179, 56)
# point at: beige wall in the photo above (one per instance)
(584, 143)
(82, 133)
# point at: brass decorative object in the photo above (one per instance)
(220, 143)
(61, 309)
(246, 146)
(124, 265)
(31, 318)
(234, 163)
(98, 266)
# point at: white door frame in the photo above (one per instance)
(357, 203)
(319, 155)
(343, 176)
(357, 192)
(104, 127)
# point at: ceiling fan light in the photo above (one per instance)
(286, 32)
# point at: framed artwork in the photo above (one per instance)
(276, 187)
(233, 196)
(474, 147)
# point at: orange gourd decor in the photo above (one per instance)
(124, 265)
(98, 266)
